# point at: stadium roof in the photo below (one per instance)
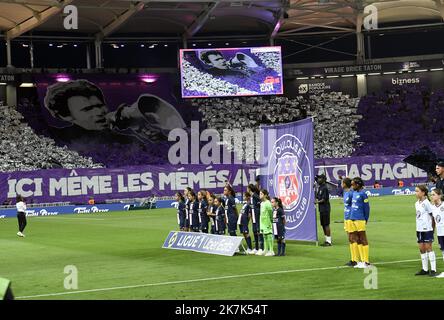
(108, 19)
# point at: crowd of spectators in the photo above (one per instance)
(334, 117)
(23, 150)
(394, 122)
(112, 154)
(398, 122)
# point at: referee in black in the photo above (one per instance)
(440, 172)
(21, 215)
(323, 201)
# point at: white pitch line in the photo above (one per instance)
(58, 218)
(200, 280)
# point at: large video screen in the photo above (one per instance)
(224, 72)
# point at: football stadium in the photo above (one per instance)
(217, 150)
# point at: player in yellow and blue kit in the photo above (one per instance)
(359, 214)
(348, 196)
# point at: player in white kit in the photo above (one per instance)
(438, 216)
(424, 231)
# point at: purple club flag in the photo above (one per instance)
(287, 172)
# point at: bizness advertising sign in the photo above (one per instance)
(432, 80)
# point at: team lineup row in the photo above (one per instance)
(429, 217)
(195, 212)
(206, 212)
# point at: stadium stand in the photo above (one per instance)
(22, 150)
(344, 126)
(334, 116)
(400, 121)
(111, 155)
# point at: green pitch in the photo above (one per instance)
(119, 256)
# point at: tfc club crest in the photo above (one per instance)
(290, 175)
(289, 182)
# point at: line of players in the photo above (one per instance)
(195, 212)
(429, 216)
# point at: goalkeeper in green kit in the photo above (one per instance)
(266, 223)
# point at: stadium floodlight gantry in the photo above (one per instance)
(102, 21)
